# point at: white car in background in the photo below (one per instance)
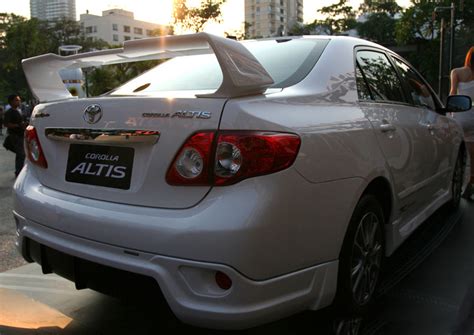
(249, 181)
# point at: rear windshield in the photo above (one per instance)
(287, 61)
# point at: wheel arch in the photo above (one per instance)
(381, 189)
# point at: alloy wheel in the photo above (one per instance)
(366, 258)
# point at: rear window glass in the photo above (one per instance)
(287, 61)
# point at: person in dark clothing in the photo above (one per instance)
(14, 122)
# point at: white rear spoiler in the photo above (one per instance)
(242, 73)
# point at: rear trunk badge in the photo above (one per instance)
(93, 113)
(181, 114)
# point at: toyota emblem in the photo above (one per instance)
(93, 113)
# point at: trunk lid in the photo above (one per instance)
(123, 169)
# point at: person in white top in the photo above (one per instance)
(462, 78)
(462, 83)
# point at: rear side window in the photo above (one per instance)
(418, 90)
(287, 61)
(380, 76)
(362, 88)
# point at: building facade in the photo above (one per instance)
(51, 10)
(116, 26)
(266, 18)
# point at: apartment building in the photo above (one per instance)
(51, 10)
(116, 26)
(266, 18)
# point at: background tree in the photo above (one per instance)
(379, 21)
(340, 17)
(464, 30)
(303, 29)
(416, 27)
(105, 78)
(376, 6)
(195, 18)
(23, 39)
(378, 27)
(7, 20)
(68, 32)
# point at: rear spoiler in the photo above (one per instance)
(242, 73)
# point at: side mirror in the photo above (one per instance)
(458, 103)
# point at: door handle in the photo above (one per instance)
(385, 127)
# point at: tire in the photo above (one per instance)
(456, 183)
(467, 192)
(361, 257)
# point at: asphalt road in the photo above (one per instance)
(9, 257)
(427, 288)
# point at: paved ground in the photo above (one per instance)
(9, 258)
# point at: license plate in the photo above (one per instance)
(100, 165)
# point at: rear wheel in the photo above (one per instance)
(467, 192)
(361, 257)
(456, 183)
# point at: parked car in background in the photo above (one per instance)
(248, 181)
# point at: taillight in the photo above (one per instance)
(235, 156)
(33, 148)
(241, 155)
(191, 165)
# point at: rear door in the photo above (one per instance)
(400, 129)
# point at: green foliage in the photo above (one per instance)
(379, 27)
(303, 29)
(6, 21)
(101, 80)
(68, 32)
(194, 18)
(416, 27)
(376, 6)
(416, 22)
(340, 17)
(104, 79)
(23, 39)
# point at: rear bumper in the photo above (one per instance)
(189, 286)
(279, 247)
(259, 227)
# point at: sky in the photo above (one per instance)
(159, 11)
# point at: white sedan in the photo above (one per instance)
(248, 181)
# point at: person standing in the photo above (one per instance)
(14, 122)
(462, 83)
(462, 78)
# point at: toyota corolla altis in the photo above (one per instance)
(248, 181)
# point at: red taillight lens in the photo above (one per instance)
(191, 165)
(237, 155)
(33, 148)
(241, 155)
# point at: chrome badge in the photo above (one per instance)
(181, 114)
(93, 113)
